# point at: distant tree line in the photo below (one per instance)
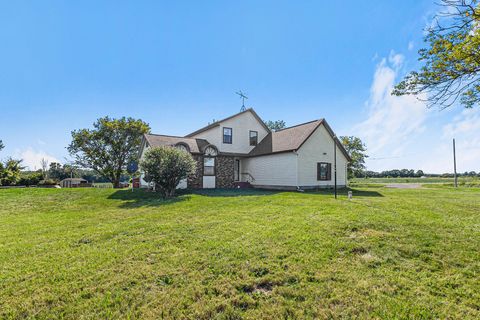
(409, 173)
(56, 172)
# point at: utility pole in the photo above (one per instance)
(454, 166)
(335, 163)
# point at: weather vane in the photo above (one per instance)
(243, 96)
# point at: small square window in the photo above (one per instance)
(227, 135)
(253, 138)
(324, 171)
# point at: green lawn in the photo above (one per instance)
(462, 181)
(105, 253)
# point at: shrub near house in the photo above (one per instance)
(166, 167)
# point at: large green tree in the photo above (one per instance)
(166, 167)
(357, 151)
(109, 146)
(450, 70)
(1, 145)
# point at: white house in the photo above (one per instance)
(241, 151)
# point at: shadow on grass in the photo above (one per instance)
(142, 198)
(230, 192)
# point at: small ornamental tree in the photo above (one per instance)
(166, 166)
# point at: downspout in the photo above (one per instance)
(296, 171)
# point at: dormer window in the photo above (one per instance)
(253, 138)
(183, 147)
(227, 135)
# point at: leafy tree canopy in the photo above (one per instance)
(1, 145)
(275, 125)
(166, 167)
(109, 146)
(451, 61)
(10, 172)
(357, 151)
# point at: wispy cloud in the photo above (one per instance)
(32, 157)
(465, 128)
(395, 128)
(467, 122)
(392, 121)
(411, 45)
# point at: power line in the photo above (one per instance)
(396, 157)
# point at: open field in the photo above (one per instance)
(105, 253)
(462, 181)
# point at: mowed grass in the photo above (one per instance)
(105, 253)
(439, 181)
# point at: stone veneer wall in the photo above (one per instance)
(224, 174)
(195, 180)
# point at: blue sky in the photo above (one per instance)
(177, 66)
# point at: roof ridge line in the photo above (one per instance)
(301, 124)
(167, 135)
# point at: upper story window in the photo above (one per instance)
(253, 138)
(324, 171)
(227, 135)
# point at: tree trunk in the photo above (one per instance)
(116, 178)
(116, 183)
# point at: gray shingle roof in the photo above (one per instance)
(288, 139)
(292, 138)
(157, 140)
(75, 179)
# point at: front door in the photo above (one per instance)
(208, 172)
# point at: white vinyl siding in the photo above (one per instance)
(271, 170)
(319, 148)
(241, 126)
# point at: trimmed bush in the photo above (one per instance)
(166, 167)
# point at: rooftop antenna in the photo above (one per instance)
(243, 97)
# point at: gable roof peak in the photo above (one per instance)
(217, 123)
(292, 139)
